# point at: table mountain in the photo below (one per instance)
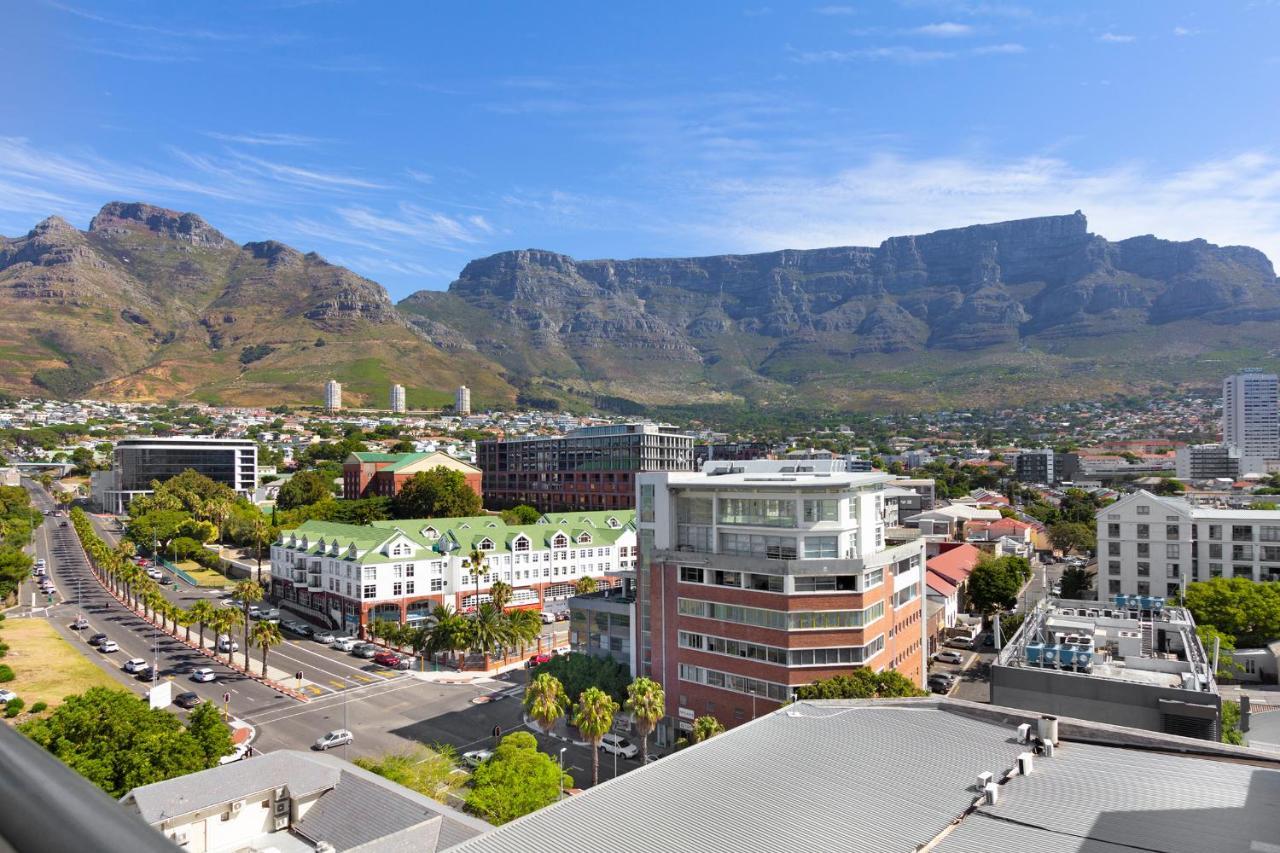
(1012, 310)
(152, 304)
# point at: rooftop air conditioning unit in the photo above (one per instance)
(237, 806)
(281, 822)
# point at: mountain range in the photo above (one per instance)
(153, 304)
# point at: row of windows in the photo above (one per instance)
(781, 620)
(785, 657)
(736, 683)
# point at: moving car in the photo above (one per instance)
(618, 745)
(300, 628)
(226, 644)
(538, 659)
(384, 658)
(345, 644)
(80, 624)
(187, 700)
(133, 665)
(40, 564)
(548, 617)
(476, 757)
(328, 638)
(271, 615)
(165, 580)
(949, 657)
(109, 646)
(204, 674)
(97, 639)
(239, 752)
(7, 696)
(368, 651)
(155, 574)
(337, 737)
(145, 673)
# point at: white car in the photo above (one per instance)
(345, 644)
(109, 646)
(619, 745)
(40, 564)
(476, 757)
(80, 624)
(235, 755)
(203, 675)
(949, 657)
(337, 737)
(325, 638)
(548, 617)
(7, 696)
(226, 644)
(155, 574)
(134, 665)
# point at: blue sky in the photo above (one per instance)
(404, 139)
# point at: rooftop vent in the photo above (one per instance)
(984, 779)
(1024, 764)
(1024, 732)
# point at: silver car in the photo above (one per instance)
(337, 737)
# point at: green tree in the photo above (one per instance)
(545, 700)
(585, 585)
(247, 592)
(1227, 667)
(1170, 487)
(202, 612)
(430, 772)
(213, 735)
(705, 727)
(521, 514)
(1231, 724)
(500, 593)
(117, 742)
(303, 489)
(515, 781)
(438, 493)
(647, 705)
(265, 635)
(861, 683)
(1077, 583)
(594, 719)
(993, 586)
(577, 671)
(525, 627)
(1246, 611)
(489, 631)
(1068, 536)
(156, 528)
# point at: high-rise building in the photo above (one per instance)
(588, 468)
(1251, 418)
(397, 398)
(332, 395)
(1206, 462)
(462, 401)
(758, 577)
(138, 462)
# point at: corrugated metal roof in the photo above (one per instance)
(826, 776)
(359, 812)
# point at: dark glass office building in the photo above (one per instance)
(141, 461)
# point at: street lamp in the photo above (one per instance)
(563, 750)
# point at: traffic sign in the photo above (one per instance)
(298, 675)
(226, 697)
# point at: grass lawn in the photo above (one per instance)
(47, 667)
(203, 576)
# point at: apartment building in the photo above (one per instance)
(368, 474)
(332, 396)
(400, 570)
(1206, 462)
(138, 462)
(462, 401)
(1251, 418)
(1152, 545)
(588, 468)
(758, 577)
(397, 398)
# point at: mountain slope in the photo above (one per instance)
(1009, 311)
(151, 304)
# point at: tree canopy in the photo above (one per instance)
(861, 683)
(994, 584)
(438, 493)
(1077, 583)
(1070, 536)
(1246, 611)
(303, 489)
(521, 514)
(516, 780)
(578, 671)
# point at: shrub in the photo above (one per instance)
(4, 649)
(6, 673)
(38, 707)
(14, 707)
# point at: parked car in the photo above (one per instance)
(941, 683)
(618, 745)
(144, 673)
(406, 662)
(960, 643)
(239, 752)
(226, 644)
(345, 644)
(368, 651)
(40, 564)
(97, 639)
(187, 700)
(254, 610)
(949, 657)
(271, 615)
(155, 574)
(538, 659)
(337, 737)
(165, 580)
(203, 675)
(132, 665)
(562, 615)
(7, 696)
(327, 638)
(476, 757)
(548, 617)
(80, 624)
(385, 658)
(108, 646)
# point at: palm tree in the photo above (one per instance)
(489, 630)
(500, 593)
(452, 632)
(545, 700)
(219, 512)
(594, 718)
(525, 627)
(202, 612)
(184, 618)
(476, 562)
(585, 586)
(422, 640)
(232, 619)
(260, 530)
(647, 704)
(247, 592)
(265, 635)
(705, 727)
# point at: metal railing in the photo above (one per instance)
(48, 806)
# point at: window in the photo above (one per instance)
(1144, 588)
(1174, 570)
(1144, 570)
(1269, 534)
(370, 591)
(646, 503)
(1171, 531)
(1113, 567)
(753, 544)
(437, 584)
(764, 583)
(1143, 509)
(1113, 586)
(1144, 549)
(1215, 552)
(690, 574)
(1113, 531)
(520, 543)
(820, 547)
(826, 583)
(397, 588)
(1215, 531)
(1144, 531)
(369, 573)
(821, 510)
(1171, 552)
(1113, 549)
(397, 571)
(486, 544)
(758, 512)
(408, 570)
(872, 578)
(408, 587)
(1241, 533)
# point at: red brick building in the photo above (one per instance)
(366, 475)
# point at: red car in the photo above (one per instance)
(538, 659)
(390, 659)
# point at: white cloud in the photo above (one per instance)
(286, 140)
(946, 29)
(995, 49)
(1116, 38)
(895, 53)
(1184, 31)
(1235, 200)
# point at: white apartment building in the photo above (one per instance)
(400, 570)
(397, 398)
(332, 395)
(1251, 418)
(462, 401)
(1152, 545)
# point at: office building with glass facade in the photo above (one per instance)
(139, 462)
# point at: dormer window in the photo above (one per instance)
(464, 526)
(560, 541)
(612, 522)
(492, 524)
(430, 533)
(520, 543)
(486, 544)
(584, 539)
